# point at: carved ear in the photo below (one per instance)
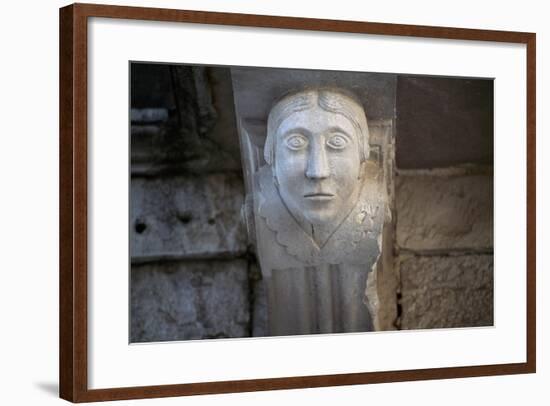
(268, 149)
(366, 146)
(361, 169)
(269, 145)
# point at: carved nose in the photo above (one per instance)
(317, 165)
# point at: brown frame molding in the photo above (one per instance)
(73, 310)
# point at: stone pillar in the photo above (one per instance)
(316, 206)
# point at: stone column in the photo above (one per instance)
(316, 206)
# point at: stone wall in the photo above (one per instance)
(444, 243)
(444, 203)
(192, 275)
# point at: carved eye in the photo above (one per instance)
(338, 141)
(296, 142)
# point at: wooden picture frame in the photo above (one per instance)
(74, 201)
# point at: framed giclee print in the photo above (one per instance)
(252, 202)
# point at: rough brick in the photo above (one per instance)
(452, 291)
(440, 212)
(186, 216)
(189, 300)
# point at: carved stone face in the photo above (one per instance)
(317, 164)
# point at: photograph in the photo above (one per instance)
(285, 202)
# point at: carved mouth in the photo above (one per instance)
(320, 196)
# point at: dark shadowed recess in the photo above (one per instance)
(443, 122)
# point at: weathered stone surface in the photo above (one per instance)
(189, 300)
(149, 115)
(385, 286)
(191, 128)
(259, 302)
(443, 122)
(184, 216)
(453, 291)
(223, 138)
(436, 212)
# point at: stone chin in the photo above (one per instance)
(314, 208)
(319, 212)
(318, 218)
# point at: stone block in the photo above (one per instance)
(189, 300)
(186, 217)
(452, 291)
(443, 122)
(444, 212)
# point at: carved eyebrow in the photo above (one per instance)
(297, 130)
(337, 129)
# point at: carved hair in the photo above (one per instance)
(332, 100)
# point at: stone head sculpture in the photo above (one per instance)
(317, 142)
(319, 205)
